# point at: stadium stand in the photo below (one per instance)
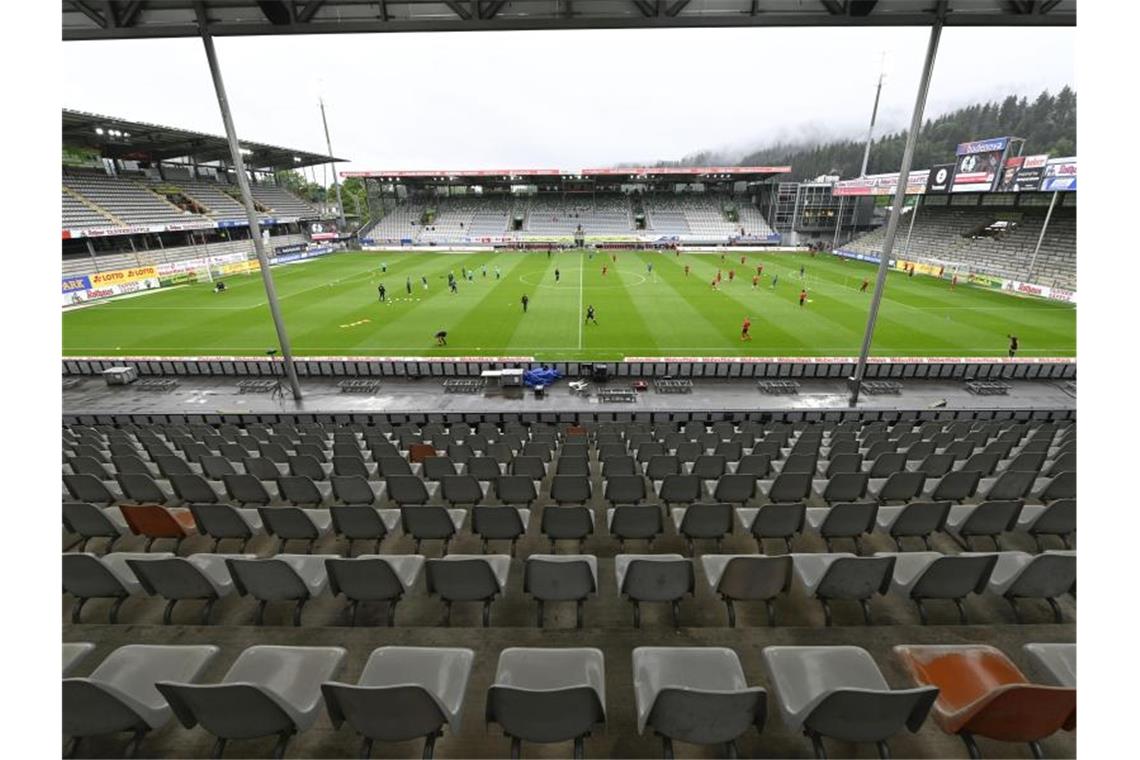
(976, 240)
(541, 691)
(129, 200)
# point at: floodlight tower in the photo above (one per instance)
(336, 182)
(874, 114)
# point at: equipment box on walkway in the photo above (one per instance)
(120, 375)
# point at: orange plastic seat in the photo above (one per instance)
(157, 522)
(981, 692)
(418, 452)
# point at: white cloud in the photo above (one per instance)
(564, 100)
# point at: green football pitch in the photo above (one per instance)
(331, 308)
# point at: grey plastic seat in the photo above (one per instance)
(903, 486)
(461, 489)
(570, 489)
(374, 578)
(516, 489)
(199, 577)
(468, 578)
(261, 468)
(566, 523)
(780, 521)
(839, 692)
(363, 523)
(847, 520)
(800, 464)
(532, 467)
(88, 521)
(661, 466)
(483, 468)
(295, 524)
(1063, 485)
(74, 653)
(355, 490)
(269, 690)
(1049, 575)
(293, 578)
(788, 487)
(922, 576)
(404, 693)
(935, 465)
(88, 465)
(347, 465)
(431, 523)
(560, 578)
(748, 578)
(680, 489)
(406, 490)
(709, 466)
(221, 522)
(736, 488)
(390, 466)
(956, 485)
(703, 521)
(840, 575)
(990, 519)
(142, 489)
(193, 489)
(697, 695)
(633, 522)
(307, 465)
(1010, 485)
(842, 462)
(500, 523)
(438, 468)
(572, 466)
(88, 488)
(1057, 661)
(216, 467)
(756, 465)
(1056, 519)
(918, 519)
(654, 578)
(845, 486)
(88, 577)
(625, 489)
(125, 463)
(120, 694)
(246, 489)
(548, 695)
(984, 463)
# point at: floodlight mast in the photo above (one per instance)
(336, 182)
(874, 114)
(250, 211)
(899, 200)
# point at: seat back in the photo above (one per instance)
(406, 489)
(844, 463)
(856, 578)
(661, 466)
(388, 713)
(1058, 519)
(544, 716)
(755, 578)
(634, 522)
(220, 521)
(363, 580)
(800, 464)
(267, 579)
(1047, 575)
(707, 521)
(779, 520)
(709, 466)
(936, 465)
(1012, 485)
(152, 521)
(790, 487)
(229, 711)
(462, 489)
(86, 577)
(307, 466)
(427, 523)
(499, 522)
(658, 581)
(1062, 486)
(886, 463)
(352, 489)
(849, 519)
(358, 522)
(515, 489)
(957, 485)
(215, 467)
(625, 489)
(88, 520)
(680, 489)
(707, 717)
(845, 486)
(438, 468)
(991, 518)
(299, 489)
(172, 578)
(88, 465)
(921, 518)
(570, 489)
(736, 488)
(86, 487)
(193, 489)
(861, 715)
(246, 489)
(953, 577)
(558, 581)
(461, 580)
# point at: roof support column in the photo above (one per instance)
(1041, 238)
(250, 211)
(896, 207)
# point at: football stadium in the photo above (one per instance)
(646, 460)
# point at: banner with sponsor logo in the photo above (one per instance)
(1007, 183)
(882, 184)
(1060, 175)
(940, 179)
(72, 284)
(121, 276)
(985, 281)
(94, 293)
(934, 270)
(1030, 174)
(979, 164)
(1040, 291)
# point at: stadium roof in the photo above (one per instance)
(119, 19)
(137, 140)
(521, 176)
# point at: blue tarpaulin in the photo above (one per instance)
(540, 376)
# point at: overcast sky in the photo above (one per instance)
(559, 100)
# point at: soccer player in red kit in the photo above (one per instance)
(803, 297)
(954, 282)
(755, 281)
(863, 288)
(760, 270)
(605, 269)
(686, 270)
(731, 275)
(744, 328)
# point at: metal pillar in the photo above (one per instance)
(1041, 237)
(910, 227)
(899, 200)
(336, 182)
(838, 222)
(250, 211)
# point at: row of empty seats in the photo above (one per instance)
(695, 695)
(921, 577)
